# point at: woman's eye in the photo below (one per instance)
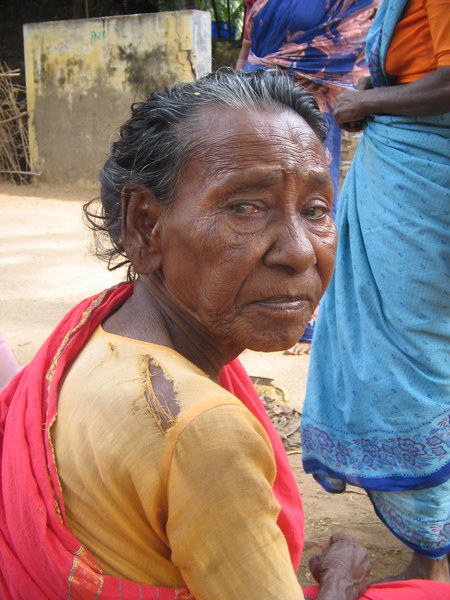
(315, 212)
(244, 208)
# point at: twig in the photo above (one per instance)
(15, 157)
(19, 172)
(19, 116)
(355, 492)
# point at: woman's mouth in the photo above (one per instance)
(285, 304)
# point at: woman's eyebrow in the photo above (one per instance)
(274, 177)
(322, 178)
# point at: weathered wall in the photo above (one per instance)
(83, 75)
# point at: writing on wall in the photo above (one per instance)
(97, 36)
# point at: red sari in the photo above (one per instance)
(40, 559)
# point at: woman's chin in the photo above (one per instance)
(273, 343)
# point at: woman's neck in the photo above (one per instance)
(149, 316)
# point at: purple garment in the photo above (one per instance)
(8, 363)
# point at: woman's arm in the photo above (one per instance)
(428, 96)
(243, 55)
(222, 517)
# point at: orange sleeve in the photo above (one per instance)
(438, 12)
(421, 40)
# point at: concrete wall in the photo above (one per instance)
(83, 75)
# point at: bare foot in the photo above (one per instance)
(299, 348)
(422, 567)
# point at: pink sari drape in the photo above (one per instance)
(414, 589)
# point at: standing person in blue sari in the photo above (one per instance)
(378, 415)
(321, 44)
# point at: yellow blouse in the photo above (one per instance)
(172, 488)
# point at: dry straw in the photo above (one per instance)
(15, 164)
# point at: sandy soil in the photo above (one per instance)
(46, 267)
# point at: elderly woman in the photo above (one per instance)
(128, 471)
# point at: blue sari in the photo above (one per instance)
(320, 43)
(377, 410)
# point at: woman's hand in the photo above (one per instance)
(350, 110)
(425, 97)
(364, 83)
(342, 569)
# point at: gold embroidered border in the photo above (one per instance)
(50, 374)
(84, 575)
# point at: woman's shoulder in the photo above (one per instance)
(134, 379)
(139, 392)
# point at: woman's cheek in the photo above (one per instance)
(326, 256)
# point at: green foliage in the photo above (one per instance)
(170, 5)
(229, 11)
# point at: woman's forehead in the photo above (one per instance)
(234, 121)
(224, 136)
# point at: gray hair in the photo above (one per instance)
(155, 144)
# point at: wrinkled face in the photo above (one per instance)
(248, 245)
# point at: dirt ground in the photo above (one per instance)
(45, 268)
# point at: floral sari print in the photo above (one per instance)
(327, 47)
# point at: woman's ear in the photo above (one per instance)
(140, 232)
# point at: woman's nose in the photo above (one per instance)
(292, 248)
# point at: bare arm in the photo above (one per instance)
(243, 55)
(428, 96)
